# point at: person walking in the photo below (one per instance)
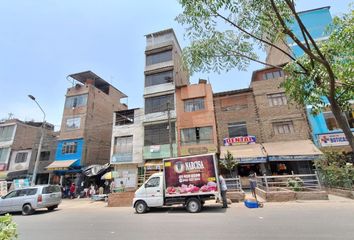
(72, 190)
(223, 189)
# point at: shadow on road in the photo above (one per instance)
(37, 212)
(181, 209)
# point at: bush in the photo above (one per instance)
(336, 170)
(7, 228)
(295, 183)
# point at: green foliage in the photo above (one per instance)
(310, 88)
(229, 163)
(7, 228)
(336, 170)
(295, 184)
(217, 44)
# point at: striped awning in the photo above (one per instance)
(61, 164)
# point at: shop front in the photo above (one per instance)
(252, 159)
(292, 157)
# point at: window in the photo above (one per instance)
(157, 134)
(237, 129)
(193, 105)
(12, 194)
(159, 103)
(27, 192)
(283, 127)
(158, 78)
(76, 101)
(158, 57)
(198, 135)
(123, 148)
(125, 117)
(44, 156)
(6, 133)
(69, 147)
(73, 123)
(153, 182)
(332, 123)
(51, 189)
(277, 99)
(4, 154)
(21, 157)
(271, 75)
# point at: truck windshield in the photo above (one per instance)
(153, 182)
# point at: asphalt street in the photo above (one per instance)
(82, 219)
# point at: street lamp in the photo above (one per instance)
(33, 182)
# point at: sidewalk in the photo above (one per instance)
(82, 203)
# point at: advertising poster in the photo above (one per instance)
(190, 175)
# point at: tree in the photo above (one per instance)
(227, 34)
(229, 163)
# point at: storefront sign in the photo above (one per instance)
(332, 139)
(252, 160)
(155, 148)
(197, 150)
(239, 140)
(293, 158)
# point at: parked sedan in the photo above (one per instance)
(29, 199)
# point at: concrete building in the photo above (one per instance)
(127, 146)
(196, 127)
(163, 74)
(86, 129)
(18, 149)
(325, 131)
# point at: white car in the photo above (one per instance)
(29, 199)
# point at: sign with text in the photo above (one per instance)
(190, 175)
(332, 139)
(239, 140)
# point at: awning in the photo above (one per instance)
(247, 153)
(95, 170)
(17, 174)
(150, 163)
(300, 150)
(61, 164)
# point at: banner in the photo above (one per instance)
(239, 140)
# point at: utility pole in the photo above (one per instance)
(35, 170)
(169, 129)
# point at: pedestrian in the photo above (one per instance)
(253, 184)
(92, 190)
(72, 190)
(112, 186)
(223, 189)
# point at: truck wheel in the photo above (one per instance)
(193, 205)
(27, 209)
(140, 207)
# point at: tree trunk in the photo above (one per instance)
(342, 122)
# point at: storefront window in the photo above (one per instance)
(237, 129)
(332, 123)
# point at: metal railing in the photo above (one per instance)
(233, 184)
(295, 182)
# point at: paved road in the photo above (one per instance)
(80, 219)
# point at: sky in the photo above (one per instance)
(44, 41)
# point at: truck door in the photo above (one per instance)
(154, 194)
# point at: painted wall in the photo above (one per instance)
(78, 155)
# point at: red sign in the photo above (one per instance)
(190, 175)
(239, 140)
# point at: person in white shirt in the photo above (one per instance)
(223, 189)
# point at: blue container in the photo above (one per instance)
(251, 204)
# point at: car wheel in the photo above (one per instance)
(51, 208)
(27, 209)
(193, 205)
(140, 207)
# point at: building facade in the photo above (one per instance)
(325, 131)
(163, 73)
(19, 146)
(86, 129)
(196, 127)
(127, 147)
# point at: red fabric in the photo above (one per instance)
(72, 188)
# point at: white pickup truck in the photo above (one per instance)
(185, 180)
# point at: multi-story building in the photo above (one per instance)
(196, 127)
(325, 131)
(18, 149)
(264, 131)
(127, 146)
(163, 73)
(86, 129)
